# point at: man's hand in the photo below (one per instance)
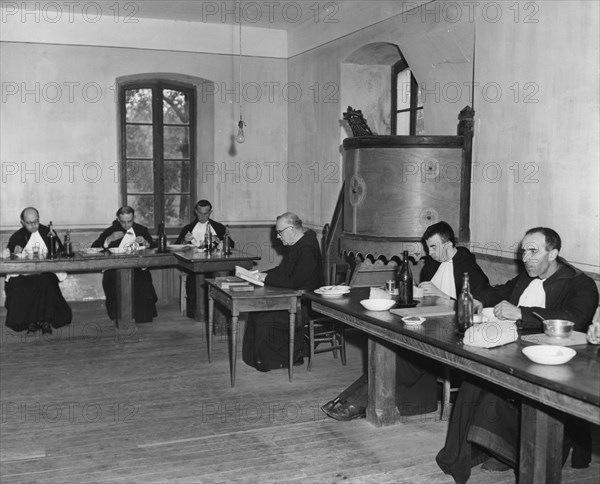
(189, 237)
(112, 237)
(477, 306)
(430, 289)
(18, 249)
(505, 310)
(141, 241)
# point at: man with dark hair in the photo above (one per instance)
(124, 233)
(266, 338)
(416, 387)
(194, 234)
(34, 301)
(548, 286)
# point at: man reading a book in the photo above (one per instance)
(266, 338)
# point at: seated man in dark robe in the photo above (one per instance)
(34, 301)
(554, 289)
(122, 233)
(266, 340)
(195, 234)
(416, 382)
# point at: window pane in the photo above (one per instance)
(419, 97)
(420, 128)
(403, 90)
(176, 109)
(144, 208)
(177, 210)
(176, 142)
(140, 176)
(138, 105)
(177, 176)
(139, 141)
(403, 123)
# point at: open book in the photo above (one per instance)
(250, 276)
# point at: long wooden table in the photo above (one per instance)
(260, 299)
(124, 264)
(572, 388)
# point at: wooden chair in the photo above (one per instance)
(183, 293)
(323, 330)
(447, 390)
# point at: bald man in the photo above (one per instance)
(34, 301)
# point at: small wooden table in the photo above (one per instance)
(200, 264)
(261, 299)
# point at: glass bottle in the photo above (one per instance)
(226, 242)
(68, 245)
(162, 239)
(208, 245)
(464, 306)
(405, 281)
(51, 241)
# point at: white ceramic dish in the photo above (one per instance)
(413, 320)
(377, 304)
(92, 250)
(549, 354)
(178, 247)
(334, 288)
(331, 294)
(118, 250)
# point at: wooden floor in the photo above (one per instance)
(85, 405)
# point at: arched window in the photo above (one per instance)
(407, 105)
(158, 150)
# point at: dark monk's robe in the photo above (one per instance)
(34, 298)
(144, 294)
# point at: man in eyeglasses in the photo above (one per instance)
(266, 338)
(34, 301)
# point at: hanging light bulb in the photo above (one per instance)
(240, 138)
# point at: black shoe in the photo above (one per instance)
(33, 327)
(347, 411)
(299, 361)
(46, 328)
(328, 407)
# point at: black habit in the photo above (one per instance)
(144, 295)
(266, 340)
(34, 298)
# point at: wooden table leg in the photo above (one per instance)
(200, 297)
(233, 351)
(209, 334)
(381, 408)
(540, 452)
(292, 333)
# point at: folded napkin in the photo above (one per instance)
(491, 334)
(376, 293)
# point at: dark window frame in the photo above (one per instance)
(414, 107)
(157, 86)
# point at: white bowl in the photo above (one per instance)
(377, 304)
(549, 354)
(118, 250)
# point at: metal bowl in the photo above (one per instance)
(558, 328)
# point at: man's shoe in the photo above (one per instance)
(347, 411)
(46, 328)
(494, 465)
(32, 328)
(328, 407)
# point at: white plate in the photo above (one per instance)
(334, 289)
(93, 250)
(330, 294)
(117, 250)
(377, 304)
(549, 354)
(177, 247)
(413, 320)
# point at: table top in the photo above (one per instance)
(260, 292)
(85, 262)
(506, 365)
